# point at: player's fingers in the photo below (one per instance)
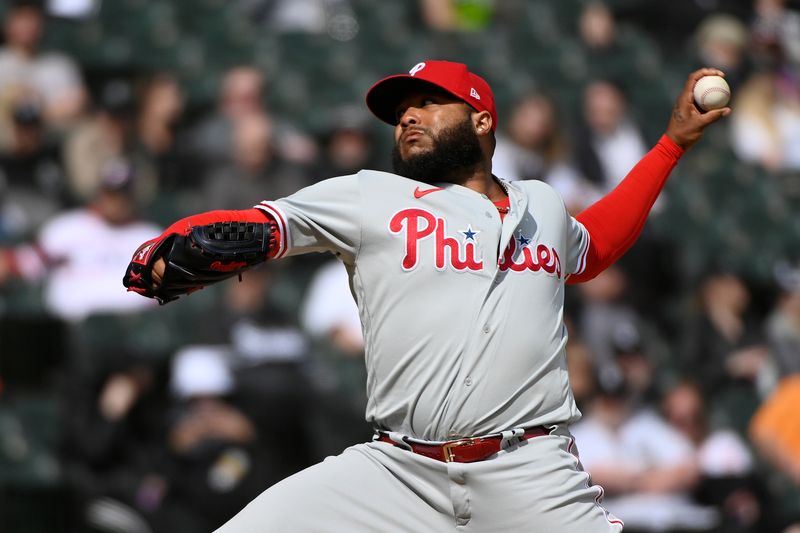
(158, 271)
(705, 71)
(714, 115)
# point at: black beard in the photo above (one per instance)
(453, 149)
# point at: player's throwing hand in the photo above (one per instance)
(687, 122)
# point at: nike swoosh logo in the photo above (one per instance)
(419, 193)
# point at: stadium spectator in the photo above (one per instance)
(256, 170)
(215, 459)
(728, 478)
(160, 111)
(457, 15)
(606, 321)
(306, 16)
(647, 468)
(597, 27)
(775, 431)
(78, 254)
(722, 41)
(774, 428)
(32, 181)
(241, 97)
(269, 358)
(783, 323)
(725, 348)
(582, 375)
(51, 77)
(674, 22)
(112, 442)
(614, 50)
(536, 148)
(638, 364)
(608, 142)
(329, 310)
(776, 27)
(108, 134)
(765, 129)
(348, 144)
(726, 343)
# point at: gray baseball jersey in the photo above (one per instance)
(462, 313)
(463, 323)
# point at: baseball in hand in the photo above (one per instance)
(711, 92)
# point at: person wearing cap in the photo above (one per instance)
(76, 254)
(52, 77)
(459, 279)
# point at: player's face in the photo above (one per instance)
(422, 115)
(435, 137)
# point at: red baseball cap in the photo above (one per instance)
(384, 97)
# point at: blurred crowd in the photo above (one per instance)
(117, 415)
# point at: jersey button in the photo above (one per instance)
(486, 328)
(468, 382)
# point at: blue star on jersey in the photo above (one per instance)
(469, 235)
(522, 240)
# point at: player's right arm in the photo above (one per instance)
(614, 222)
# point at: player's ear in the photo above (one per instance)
(482, 121)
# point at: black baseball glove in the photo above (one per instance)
(204, 255)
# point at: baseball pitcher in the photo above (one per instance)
(459, 279)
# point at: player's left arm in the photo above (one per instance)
(200, 250)
(614, 222)
(210, 247)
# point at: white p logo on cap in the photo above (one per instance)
(416, 68)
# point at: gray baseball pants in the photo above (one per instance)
(536, 486)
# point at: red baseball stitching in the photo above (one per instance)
(712, 89)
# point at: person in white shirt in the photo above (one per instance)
(54, 78)
(78, 254)
(647, 468)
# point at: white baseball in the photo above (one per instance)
(711, 92)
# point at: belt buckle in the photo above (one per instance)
(447, 449)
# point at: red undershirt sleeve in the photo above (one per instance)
(184, 225)
(615, 221)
